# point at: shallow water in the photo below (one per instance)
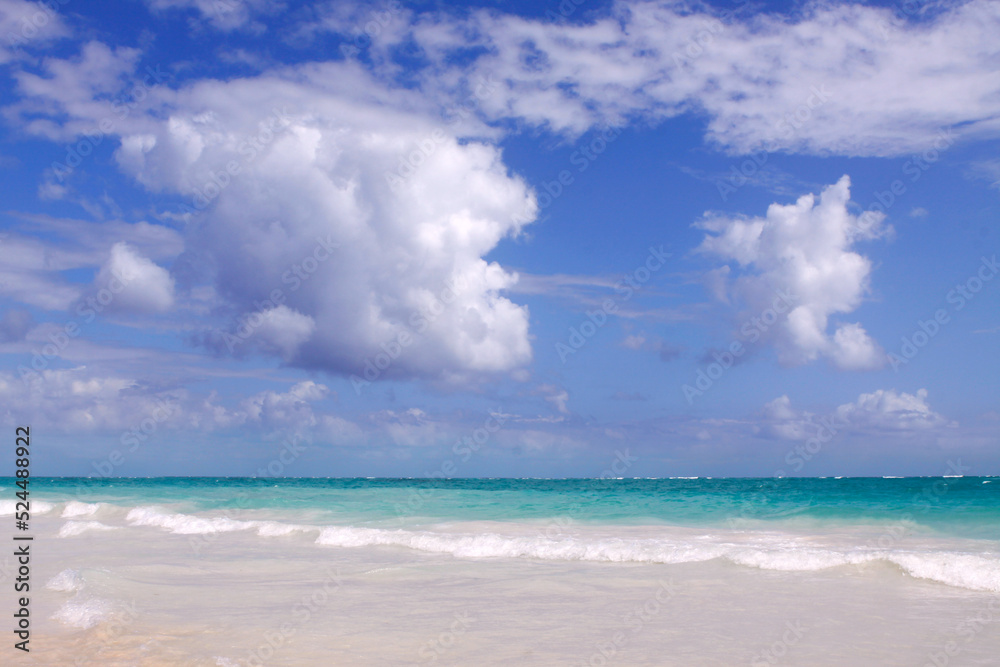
(491, 572)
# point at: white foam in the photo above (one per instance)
(73, 528)
(186, 524)
(961, 570)
(9, 507)
(75, 508)
(767, 552)
(67, 581)
(83, 613)
(277, 529)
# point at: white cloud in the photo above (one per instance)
(557, 396)
(285, 330)
(131, 283)
(799, 257)
(887, 409)
(320, 211)
(847, 79)
(79, 88)
(225, 15)
(882, 411)
(31, 268)
(272, 410)
(986, 170)
(78, 400)
(75, 400)
(634, 342)
(25, 25)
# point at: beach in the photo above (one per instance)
(230, 572)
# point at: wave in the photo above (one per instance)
(9, 507)
(762, 550)
(186, 524)
(75, 508)
(961, 570)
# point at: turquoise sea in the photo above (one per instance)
(205, 571)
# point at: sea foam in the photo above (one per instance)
(83, 613)
(186, 524)
(955, 569)
(8, 507)
(67, 581)
(75, 508)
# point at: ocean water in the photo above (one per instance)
(227, 572)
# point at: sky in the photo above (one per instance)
(548, 239)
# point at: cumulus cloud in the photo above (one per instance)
(273, 411)
(369, 218)
(882, 411)
(128, 282)
(887, 409)
(338, 153)
(798, 259)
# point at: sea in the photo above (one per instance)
(246, 572)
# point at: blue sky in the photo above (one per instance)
(501, 239)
